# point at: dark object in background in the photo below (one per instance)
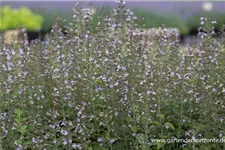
(33, 35)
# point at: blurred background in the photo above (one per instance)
(39, 16)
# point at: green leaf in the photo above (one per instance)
(103, 94)
(19, 141)
(209, 134)
(223, 137)
(133, 128)
(155, 123)
(185, 148)
(162, 116)
(170, 125)
(90, 148)
(160, 144)
(90, 125)
(19, 112)
(23, 127)
(101, 114)
(99, 81)
(98, 147)
(17, 120)
(27, 142)
(206, 146)
(24, 119)
(107, 135)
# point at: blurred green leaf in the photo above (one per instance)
(155, 123)
(133, 129)
(23, 17)
(160, 145)
(19, 141)
(19, 112)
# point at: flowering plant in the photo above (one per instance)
(112, 89)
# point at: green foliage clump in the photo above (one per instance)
(23, 17)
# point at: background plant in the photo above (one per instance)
(23, 17)
(193, 21)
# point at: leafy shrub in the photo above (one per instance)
(23, 17)
(113, 89)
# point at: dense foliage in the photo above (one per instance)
(23, 17)
(116, 88)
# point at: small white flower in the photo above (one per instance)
(134, 17)
(33, 140)
(20, 147)
(133, 134)
(74, 145)
(114, 25)
(134, 33)
(90, 59)
(19, 62)
(223, 90)
(85, 16)
(23, 30)
(80, 112)
(13, 52)
(171, 74)
(112, 141)
(79, 75)
(99, 139)
(64, 132)
(54, 141)
(64, 142)
(128, 19)
(116, 83)
(8, 57)
(202, 36)
(214, 22)
(202, 22)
